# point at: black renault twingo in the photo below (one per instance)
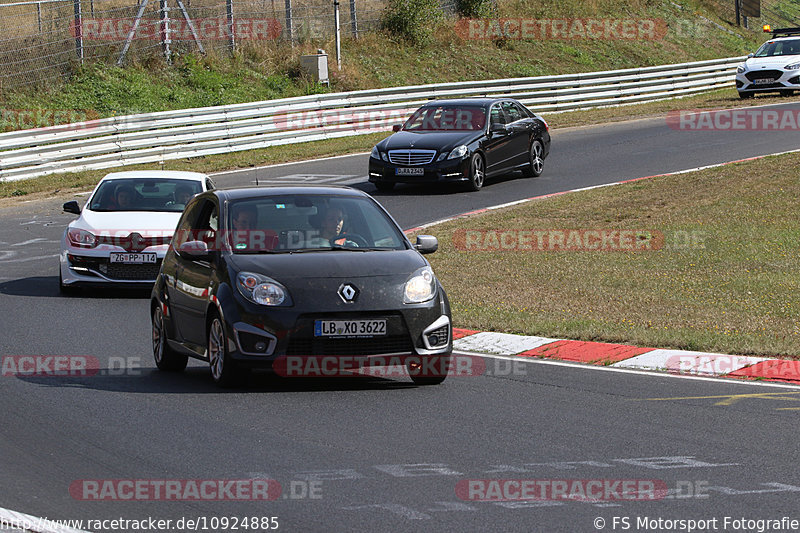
(299, 279)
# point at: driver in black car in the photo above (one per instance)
(331, 223)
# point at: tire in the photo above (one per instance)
(436, 377)
(384, 186)
(787, 92)
(745, 96)
(536, 156)
(224, 370)
(477, 173)
(165, 357)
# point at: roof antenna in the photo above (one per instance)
(256, 177)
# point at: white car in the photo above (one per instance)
(775, 67)
(123, 231)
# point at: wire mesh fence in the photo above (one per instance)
(777, 13)
(42, 40)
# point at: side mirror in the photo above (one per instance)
(498, 128)
(72, 207)
(194, 250)
(751, 54)
(397, 127)
(426, 244)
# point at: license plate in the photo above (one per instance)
(132, 258)
(764, 81)
(410, 171)
(349, 328)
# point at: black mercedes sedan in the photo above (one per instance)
(461, 140)
(305, 281)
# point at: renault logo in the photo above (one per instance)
(137, 242)
(348, 293)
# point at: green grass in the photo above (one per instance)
(724, 279)
(263, 70)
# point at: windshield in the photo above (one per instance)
(144, 194)
(790, 47)
(447, 118)
(310, 223)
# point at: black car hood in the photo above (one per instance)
(329, 264)
(429, 140)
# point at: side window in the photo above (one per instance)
(199, 223)
(512, 111)
(207, 222)
(497, 116)
(186, 225)
(523, 111)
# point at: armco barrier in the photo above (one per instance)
(156, 137)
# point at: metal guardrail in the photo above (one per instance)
(156, 137)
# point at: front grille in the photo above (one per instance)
(132, 272)
(761, 74)
(439, 336)
(389, 344)
(116, 271)
(411, 157)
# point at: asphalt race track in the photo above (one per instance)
(376, 454)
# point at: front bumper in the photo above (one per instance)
(93, 268)
(762, 81)
(259, 339)
(449, 170)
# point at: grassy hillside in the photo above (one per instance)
(266, 70)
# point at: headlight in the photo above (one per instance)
(740, 69)
(793, 66)
(261, 289)
(81, 238)
(458, 151)
(377, 154)
(421, 287)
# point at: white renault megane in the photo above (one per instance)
(124, 229)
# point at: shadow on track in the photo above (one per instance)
(433, 189)
(47, 286)
(196, 380)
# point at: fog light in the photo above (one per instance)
(261, 346)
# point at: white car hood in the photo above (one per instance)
(147, 223)
(775, 62)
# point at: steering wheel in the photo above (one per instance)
(355, 238)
